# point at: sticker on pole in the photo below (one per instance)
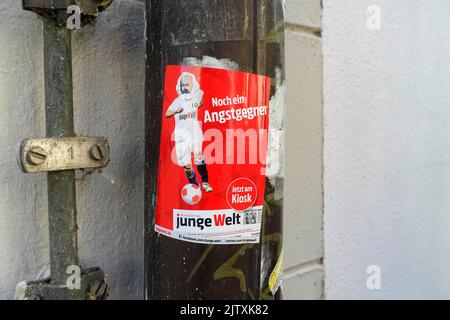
(212, 164)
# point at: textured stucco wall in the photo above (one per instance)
(303, 235)
(387, 174)
(108, 61)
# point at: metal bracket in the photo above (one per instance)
(88, 7)
(50, 5)
(59, 154)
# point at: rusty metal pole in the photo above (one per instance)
(251, 34)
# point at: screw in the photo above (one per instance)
(96, 152)
(36, 156)
(33, 296)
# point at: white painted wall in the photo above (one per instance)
(387, 164)
(108, 61)
(109, 67)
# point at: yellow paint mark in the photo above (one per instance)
(226, 270)
(277, 275)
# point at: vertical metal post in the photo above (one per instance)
(59, 123)
(59, 154)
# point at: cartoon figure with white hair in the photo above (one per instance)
(188, 134)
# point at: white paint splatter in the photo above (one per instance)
(275, 152)
(212, 62)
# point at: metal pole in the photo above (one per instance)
(59, 123)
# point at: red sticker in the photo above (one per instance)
(213, 155)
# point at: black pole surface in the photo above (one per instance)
(251, 34)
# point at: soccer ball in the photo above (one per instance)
(191, 194)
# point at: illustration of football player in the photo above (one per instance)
(188, 133)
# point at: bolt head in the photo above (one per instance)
(97, 290)
(36, 156)
(96, 152)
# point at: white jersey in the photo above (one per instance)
(186, 122)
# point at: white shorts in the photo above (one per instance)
(185, 148)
